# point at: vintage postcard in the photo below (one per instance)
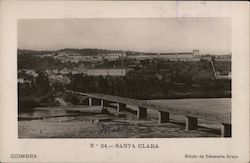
(107, 81)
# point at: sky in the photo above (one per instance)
(209, 35)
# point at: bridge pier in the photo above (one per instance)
(163, 117)
(224, 118)
(142, 113)
(121, 107)
(102, 103)
(191, 123)
(226, 130)
(90, 101)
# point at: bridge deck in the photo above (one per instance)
(215, 115)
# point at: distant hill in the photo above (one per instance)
(25, 51)
(88, 52)
(83, 52)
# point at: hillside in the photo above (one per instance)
(82, 52)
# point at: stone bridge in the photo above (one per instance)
(191, 115)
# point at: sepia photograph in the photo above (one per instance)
(124, 77)
(124, 81)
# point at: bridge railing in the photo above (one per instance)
(192, 115)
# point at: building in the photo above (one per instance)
(223, 75)
(22, 80)
(64, 71)
(196, 52)
(62, 79)
(108, 71)
(111, 56)
(171, 56)
(137, 57)
(31, 72)
(167, 56)
(184, 55)
(151, 56)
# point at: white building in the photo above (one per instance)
(108, 71)
(196, 52)
(137, 57)
(167, 56)
(31, 72)
(171, 56)
(22, 80)
(185, 55)
(63, 79)
(111, 56)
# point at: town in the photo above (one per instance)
(118, 63)
(58, 79)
